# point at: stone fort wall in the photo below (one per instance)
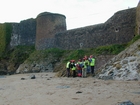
(120, 28)
(48, 24)
(138, 19)
(49, 31)
(23, 33)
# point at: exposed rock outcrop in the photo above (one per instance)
(124, 66)
(41, 65)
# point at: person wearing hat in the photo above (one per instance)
(79, 67)
(84, 68)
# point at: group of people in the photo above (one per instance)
(81, 68)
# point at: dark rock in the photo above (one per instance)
(22, 78)
(33, 77)
(126, 103)
(78, 92)
(2, 72)
(107, 78)
(125, 61)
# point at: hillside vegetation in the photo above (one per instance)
(5, 30)
(12, 59)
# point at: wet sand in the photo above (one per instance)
(47, 89)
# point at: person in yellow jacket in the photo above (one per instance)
(68, 68)
(73, 68)
(87, 65)
(92, 64)
(84, 68)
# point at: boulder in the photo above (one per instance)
(32, 76)
(126, 103)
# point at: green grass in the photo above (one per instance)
(110, 49)
(136, 37)
(75, 54)
(42, 55)
(20, 53)
(5, 36)
(102, 50)
(56, 52)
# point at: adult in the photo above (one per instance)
(84, 68)
(68, 68)
(92, 64)
(87, 64)
(73, 68)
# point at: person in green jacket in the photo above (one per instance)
(73, 68)
(84, 68)
(68, 68)
(92, 64)
(87, 64)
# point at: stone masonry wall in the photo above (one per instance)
(23, 33)
(138, 19)
(117, 30)
(48, 24)
(49, 30)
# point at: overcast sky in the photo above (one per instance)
(79, 13)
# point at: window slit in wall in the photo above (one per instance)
(117, 30)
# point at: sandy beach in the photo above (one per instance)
(47, 89)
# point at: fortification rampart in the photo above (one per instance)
(48, 30)
(48, 24)
(138, 19)
(23, 33)
(117, 30)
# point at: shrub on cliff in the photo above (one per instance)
(110, 49)
(5, 36)
(20, 53)
(42, 55)
(136, 37)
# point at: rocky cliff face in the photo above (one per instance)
(124, 66)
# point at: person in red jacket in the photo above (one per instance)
(79, 67)
(73, 68)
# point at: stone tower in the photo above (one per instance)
(48, 24)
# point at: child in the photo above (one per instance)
(79, 67)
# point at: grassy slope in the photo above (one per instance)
(21, 53)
